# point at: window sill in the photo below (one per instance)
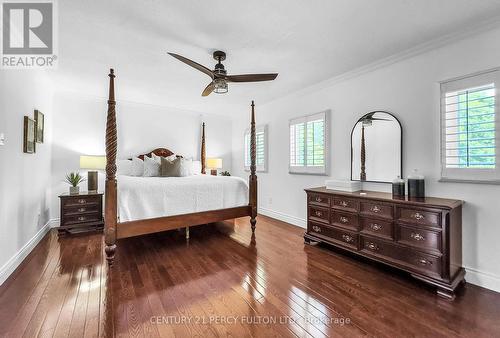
(469, 181)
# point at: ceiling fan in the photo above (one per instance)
(219, 74)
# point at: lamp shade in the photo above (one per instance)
(93, 162)
(214, 163)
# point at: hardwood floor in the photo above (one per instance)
(226, 283)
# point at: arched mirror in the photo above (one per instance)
(376, 148)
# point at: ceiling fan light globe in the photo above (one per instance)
(220, 86)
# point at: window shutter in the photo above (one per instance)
(308, 144)
(469, 127)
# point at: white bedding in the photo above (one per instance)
(151, 197)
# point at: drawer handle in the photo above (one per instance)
(82, 201)
(318, 199)
(375, 209)
(375, 226)
(316, 228)
(344, 219)
(418, 216)
(348, 238)
(82, 209)
(318, 213)
(82, 218)
(423, 261)
(343, 203)
(416, 236)
(372, 246)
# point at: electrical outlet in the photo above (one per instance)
(2, 139)
(270, 200)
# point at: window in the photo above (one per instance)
(469, 128)
(260, 148)
(308, 144)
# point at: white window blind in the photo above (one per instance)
(308, 144)
(260, 148)
(469, 127)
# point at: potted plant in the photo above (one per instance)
(73, 179)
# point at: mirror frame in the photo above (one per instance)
(400, 129)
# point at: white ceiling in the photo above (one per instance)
(305, 41)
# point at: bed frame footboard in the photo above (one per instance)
(113, 229)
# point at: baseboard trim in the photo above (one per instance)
(300, 222)
(8, 268)
(482, 279)
(473, 276)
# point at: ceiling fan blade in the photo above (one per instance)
(251, 77)
(193, 64)
(209, 89)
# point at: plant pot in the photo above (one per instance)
(74, 190)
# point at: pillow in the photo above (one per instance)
(124, 167)
(186, 167)
(137, 167)
(151, 167)
(196, 167)
(170, 168)
(158, 158)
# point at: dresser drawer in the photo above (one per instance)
(95, 217)
(411, 259)
(318, 199)
(80, 209)
(346, 204)
(344, 237)
(419, 217)
(81, 201)
(420, 238)
(373, 208)
(319, 214)
(376, 227)
(345, 220)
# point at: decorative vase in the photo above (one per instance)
(74, 190)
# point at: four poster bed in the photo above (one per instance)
(114, 229)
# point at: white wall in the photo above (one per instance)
(410, 90)
(24, 178)
(79, 129)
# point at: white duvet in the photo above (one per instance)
(151, 197)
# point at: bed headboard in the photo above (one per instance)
(163, 152)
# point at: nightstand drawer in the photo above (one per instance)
(81, 209)
(94, 217)
(81, 201)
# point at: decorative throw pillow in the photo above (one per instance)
(124, 167)
(151, 167)
(171, 168)
(137, 167)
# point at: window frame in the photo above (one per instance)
(305, 169)
(470, 175)
(258, 129)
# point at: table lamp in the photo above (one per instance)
(213, 164)
(92, 163)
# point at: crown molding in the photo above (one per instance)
(427, 46)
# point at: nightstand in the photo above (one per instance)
(81, 213)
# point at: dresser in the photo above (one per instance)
(422, 237)
(81, 213)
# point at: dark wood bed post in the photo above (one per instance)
(203, 153)
(110, 217)
(252, 198)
